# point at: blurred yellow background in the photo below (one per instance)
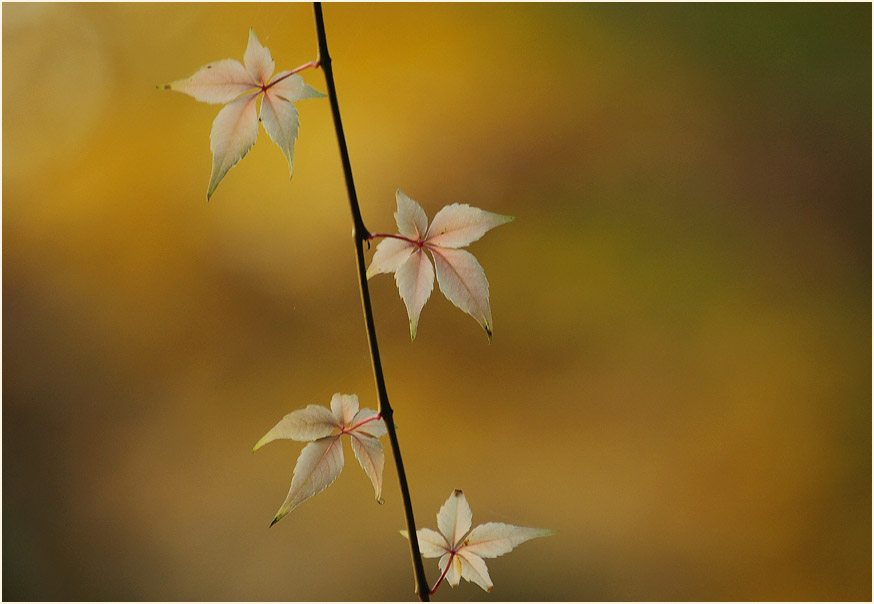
(680, 379)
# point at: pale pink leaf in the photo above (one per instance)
(463, 281)
(389, 255)
(461, 278)
(415, 280)
(464, 549)
(281, 123)
(234, 131)
(368, 451)
(454, 517)
(344, 407)
(318, 466)
(494, 539)
(474, 569)
(219, 82)
(257, 59)
(304, 424)
(373, 428)
(292, 87)
(411, 219)
(458, 225)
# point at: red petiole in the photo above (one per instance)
(415, 242)
(442, 576)
(315, 64)
(361, 423)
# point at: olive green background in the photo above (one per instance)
(680, 379)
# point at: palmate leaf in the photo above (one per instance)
(459, 275)
(461, 550)
(321, 461)
(235, 129)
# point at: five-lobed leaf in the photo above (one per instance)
(321, 461)
(461, 550)
(235, 129)
(459, 275)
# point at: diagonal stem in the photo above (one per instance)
(362, 238)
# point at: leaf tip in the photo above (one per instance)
(278, 517)
(404, 534)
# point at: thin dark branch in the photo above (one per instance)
(362, 237)
(324, 61)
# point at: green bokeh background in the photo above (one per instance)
(680, 380)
